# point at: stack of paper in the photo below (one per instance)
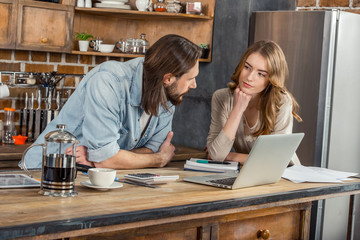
(150, 178)
(204, 165)
(298, 173)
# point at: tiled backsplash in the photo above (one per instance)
(14, 61)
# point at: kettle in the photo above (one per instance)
(58, 170)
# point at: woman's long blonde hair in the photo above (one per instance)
(271, 96)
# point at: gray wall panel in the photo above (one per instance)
(231, 31)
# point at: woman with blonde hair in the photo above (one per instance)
(255, 103)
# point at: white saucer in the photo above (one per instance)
(112, 186)
(106, 51)
(116, 1)
(104, 5)
(112, 2)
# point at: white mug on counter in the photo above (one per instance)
(102, 177)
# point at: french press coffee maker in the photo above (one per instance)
(58, 171)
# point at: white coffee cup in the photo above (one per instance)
(101, 177)
(4, 91)
(106, 48)
(142, 5)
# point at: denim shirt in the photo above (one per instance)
(104, 114)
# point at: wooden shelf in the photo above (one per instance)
(139, 15)
(118, 54)
(113, 24)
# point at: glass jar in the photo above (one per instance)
(9, 126)
(173, 6)
(129, 45)
(121, 45)
(160, 6)
(137, 46)
(144, 44)
(1, 130)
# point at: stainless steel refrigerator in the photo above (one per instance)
(323, 53)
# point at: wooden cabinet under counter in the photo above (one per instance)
(286, 222)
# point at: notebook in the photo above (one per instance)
(205, 165)
(265, 164)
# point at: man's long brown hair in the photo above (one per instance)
(271, 96)
(170, 54)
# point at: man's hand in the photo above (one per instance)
(136, 158)
(166, 151)
(80, 154)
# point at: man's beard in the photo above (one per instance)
(172, 94)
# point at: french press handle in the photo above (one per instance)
(23, 166)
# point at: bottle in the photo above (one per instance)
(9, 126)
(1, 130)
(160, 6)
(144, 43)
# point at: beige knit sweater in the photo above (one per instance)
(219, 144)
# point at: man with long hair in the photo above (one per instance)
(121, 112)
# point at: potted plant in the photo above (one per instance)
(83, 38)
(205, 50)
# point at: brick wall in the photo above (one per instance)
(344, 5)
(75, 66)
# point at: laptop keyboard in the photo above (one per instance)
(224, 181)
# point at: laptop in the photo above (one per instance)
(266, 163)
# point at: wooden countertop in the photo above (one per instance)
(26, 213)
(10, 152)
(10, 155)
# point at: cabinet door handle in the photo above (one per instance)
(44, 40)
(264, 234)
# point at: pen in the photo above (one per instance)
(209, 161)
(83, 168)
(137, 183)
